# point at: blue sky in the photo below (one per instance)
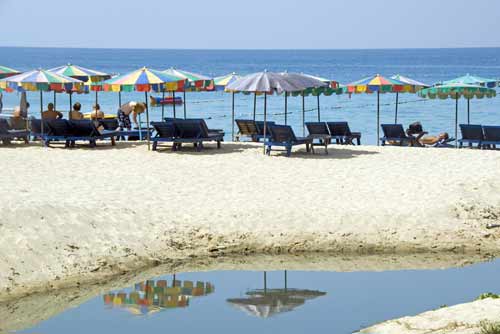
(266, 24)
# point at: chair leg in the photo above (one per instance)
(66, 144)
(326, 147)
(155, 145)
(218, 144)
(268, 149)
(288, 151)
(113, 141)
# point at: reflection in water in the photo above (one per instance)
(265, 303)
(153, 296)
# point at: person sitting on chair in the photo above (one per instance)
(17, 121)
(96, 112)
(123, 115)
(75, 113)
(51, 113)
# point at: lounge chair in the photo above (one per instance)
(165, 132)
(111, 124)
(247, 128)
(283, 135)
(195, 131)
(342, 134)
(471, 134)
(7, 134)
(36, 128)
(76, 130)
(319, 131)
(394, 133)
(416, 131)
(491, 137)
(260, 127)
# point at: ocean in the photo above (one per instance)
(426, 65)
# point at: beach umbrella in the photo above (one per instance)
(265, 303)
(6, 72)
(377, 84)
(269, 83)
(86, 75)
(197, 82)
(471, 80)
(41, 80)
(415, 87)
(144, 80)
(457, 91)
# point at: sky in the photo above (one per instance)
(256, 24)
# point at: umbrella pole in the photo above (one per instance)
(286, 281)
(184, 97)
(265, 282)
(265, 120)
(468, 111)
(286, 107)
(163, 106)
(70, 105)
(456, 120)
(378, 117)
(319, 112)
(55, 100)
(303, 115)
(96, 98)
(397, 104)
(232, 118)
(254, 105)
(119, 99)
(147, 120)
(41, 115)
(173, 99)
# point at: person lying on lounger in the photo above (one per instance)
(433, 140)
(51, 113)
(123, 115)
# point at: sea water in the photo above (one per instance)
(426, 65)
(292, 302)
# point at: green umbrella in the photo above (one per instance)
(456, 91)
(472, 80)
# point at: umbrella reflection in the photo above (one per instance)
(153, 296)
(265, 303)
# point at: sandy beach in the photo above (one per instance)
(73, 216)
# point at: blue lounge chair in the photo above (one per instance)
(165, 133)
(7, 134)
(283, 135)
(395, 133)
(260, 127)
(342, 134)
(111, 124)
(319, 131)
(76, 130)
(196, 132)
(491, 137)
(471, 134)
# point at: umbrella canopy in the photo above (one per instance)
(81, 73)
(7, 72)
(472, 80)
(196, 81)
(380, 85)
(415, 87)
(40, 80)
(144, 80)
(222, 81)
(457, 91)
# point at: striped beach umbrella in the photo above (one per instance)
(144, 80)
(457, 91)
(224, 80)
(472, 80)
(84, 74)
(415, 87)
(380, 85)
(197, 82)
(41, 80)
(7, 72)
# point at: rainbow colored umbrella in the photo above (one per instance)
(84, 74)
(380, 85)
(415, 87)
(7, 72)
(472, 80)
(197, 82)
(457, 91)
(144, 80)
(224, 80)
(41, 80)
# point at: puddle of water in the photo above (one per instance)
(265, 302)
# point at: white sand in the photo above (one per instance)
(77, 215)
(459, 319)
